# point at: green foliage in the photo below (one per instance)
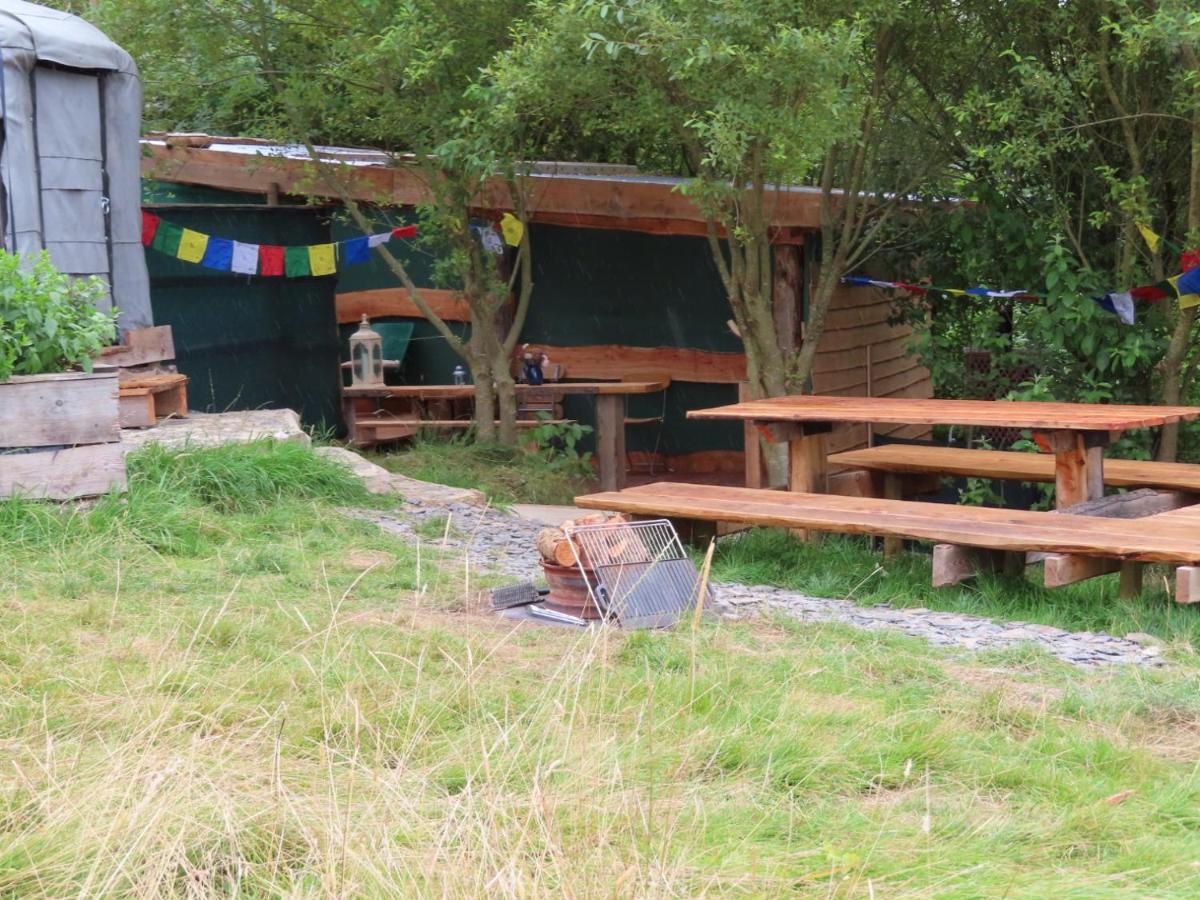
(49, 321)
(558, 441)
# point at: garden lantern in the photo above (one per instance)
(366, 356)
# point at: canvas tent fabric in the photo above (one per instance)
(71, 103)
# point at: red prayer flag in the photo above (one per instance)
(149, 227)
(1148, 293)
(1189, 259)
(911, 288)
(270, 259)
(406, 231)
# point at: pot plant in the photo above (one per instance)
(50, 331)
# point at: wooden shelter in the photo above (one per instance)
(624, 289)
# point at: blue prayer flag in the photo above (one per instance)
(218, 254)
(355, 251)
(1189, 282)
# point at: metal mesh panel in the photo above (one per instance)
(636, 572)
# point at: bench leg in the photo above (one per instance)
(610, 441)
(893, 489)
(807, 472)
(953, 563)
(1187, 584)
(1068, 568)
(1131, 580)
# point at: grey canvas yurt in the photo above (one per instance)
(71, 105)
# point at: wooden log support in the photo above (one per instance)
(893, 489)
(1187, 584)
(1078, 464)
(753, 448)
(610, 441)
(1131, 580)
(953, 563)
(1063, 569)
(59, 410)
(807, 470)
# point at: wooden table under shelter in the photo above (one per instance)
(1076, 433)
(610, 413)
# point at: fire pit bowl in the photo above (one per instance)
(568, 592)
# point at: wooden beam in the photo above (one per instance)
(1063, 569)
(624, 201)
(953, 563)
(383, 302)
(752, 453)
(66, 474)
(618, 362)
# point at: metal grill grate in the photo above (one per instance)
(636, 572)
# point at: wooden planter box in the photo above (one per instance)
(66, 427)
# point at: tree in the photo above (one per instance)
(402, 77)
(758, 96)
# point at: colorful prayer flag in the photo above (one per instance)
(218, 255)
(1189, 282)
(1120, 304)
(1150, 237)
(245, 258)
(1189, 260)
(355, 251)
(1187, 298)
(149, 227)
(512, 228)
(270, 258)
(166, 238)
(295, 262)
(490, 240)
(321, 259)
(405, 231)
(378, 240)
(192, 246)
(1151, 293)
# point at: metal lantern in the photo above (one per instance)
(366, 356)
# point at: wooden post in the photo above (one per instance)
(807, 471)
(753, 447)
(893, 489)
(1187, 584)
(610, 441)
(1078, 466)
(1131, 580)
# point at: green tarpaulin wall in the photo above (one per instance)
(271, 342)
(247, 343)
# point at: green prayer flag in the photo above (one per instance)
(167, 238)
(295, 262)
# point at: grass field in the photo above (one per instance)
(221, 686)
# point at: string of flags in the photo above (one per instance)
(225, 255)
(1184, 288)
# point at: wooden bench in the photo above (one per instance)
(913, 459)
(950, 527)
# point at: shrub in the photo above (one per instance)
(48, 320)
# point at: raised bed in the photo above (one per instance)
(60, 436)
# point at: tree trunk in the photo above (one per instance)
(1177, 350)
(485, 399)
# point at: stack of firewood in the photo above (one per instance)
(559, 550)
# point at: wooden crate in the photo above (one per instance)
(63, 474)
(146, 399)
(65, 409)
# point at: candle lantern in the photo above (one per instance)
(366, 356)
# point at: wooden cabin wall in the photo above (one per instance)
(862, 355)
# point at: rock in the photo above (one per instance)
(1143, 639)
(379, 480)
(218, 429)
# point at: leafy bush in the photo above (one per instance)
(48, 320)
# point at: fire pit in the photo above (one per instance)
(568, 592)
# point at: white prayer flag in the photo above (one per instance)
(245, 258)
(376, 240)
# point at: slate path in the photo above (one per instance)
(503, 542)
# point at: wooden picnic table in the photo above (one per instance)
(610, 410)
(1076, 433)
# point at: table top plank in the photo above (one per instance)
(466, 391)
(1153, 539)
(903, 411)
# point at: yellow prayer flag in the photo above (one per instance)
(321, 259)
(512, 228)
(954, 292)
(1152, 239)
(192, 246)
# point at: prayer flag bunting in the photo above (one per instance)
(405, 231)
(1189, 259)
(1187, 298)
(192, 245)
(245, 258)
(378, 240)
(270, 258)
(149, 227)
(1150, 237)
(1189, 282)
(355, 251)
(218, 255)
(1120, 304)
(166, 238)
(296, 262)
(512, 228)
(321, 259)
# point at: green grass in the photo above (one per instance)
(221, 686)
(504, 474)
(843, 566)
